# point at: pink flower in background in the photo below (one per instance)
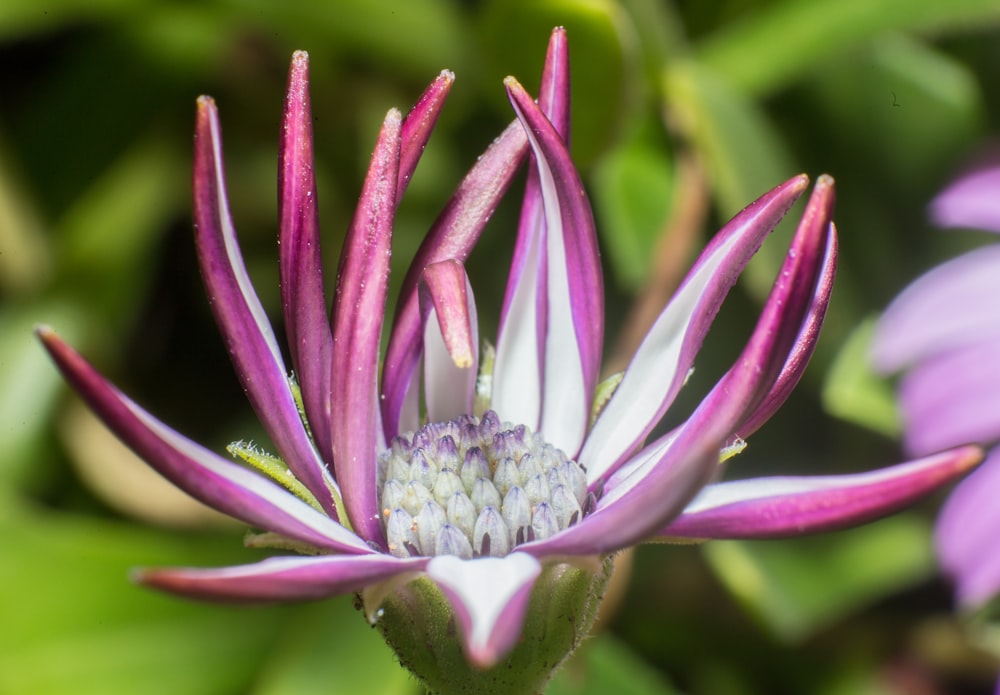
(943, 333)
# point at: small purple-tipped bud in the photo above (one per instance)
(399, 533)
(489, 425)
(543, 522)
(446, 451)
(422, 468)
(536, 488)
(516, 511)
(462, 513)
(451, 541)
(429, 523)
(530, 466)
(491, 537)
(507, 476)
(474, 467)
(485, 494)
(564, 505)
(393, 493)
(416, 497)
(446, 485)
(576, 479)
(397, 467)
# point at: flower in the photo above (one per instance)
(943, 332)
(493, 503)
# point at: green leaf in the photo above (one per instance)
(605, 664)
(329, 647)
(74, 624)
(31, 385)
(599, 76)
(800, 585)
(853, 392)
(743, 154)
(633, 190)
(784, 41)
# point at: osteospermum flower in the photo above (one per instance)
(943, 332)
(476, 508)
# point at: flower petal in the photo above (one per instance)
(971, 201)
(280, 578)
(952, 399)
(940, 310)
(451, 341)
(661, 364)
(520, 352)
(646, 493)
(965, 537)
(221, 484)
(803, 350)
(574, 292)
(490, 597)
(358, 313)
(301, 260)
(241, 318)
(418, 125)
(790, 506)
(453, 235)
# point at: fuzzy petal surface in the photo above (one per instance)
(357, 331)
(307, 325)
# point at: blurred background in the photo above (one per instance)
(684, 112)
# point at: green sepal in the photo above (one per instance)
(272, 467)
(419, 624)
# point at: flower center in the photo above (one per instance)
(476, 487)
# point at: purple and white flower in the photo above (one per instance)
(943, 333)
(497, 486)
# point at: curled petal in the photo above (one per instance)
(281, 578)
(943, 309)
(520, 354)
(490, 597)
(221, 484)
(805, 344)
(451, 341)
(301, 260)
(357, 329)
(574, 292)
(965, 536)
(241, 318)
(453, 235)
(790, 506)
(661, 364)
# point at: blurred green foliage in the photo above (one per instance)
(889, 96)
